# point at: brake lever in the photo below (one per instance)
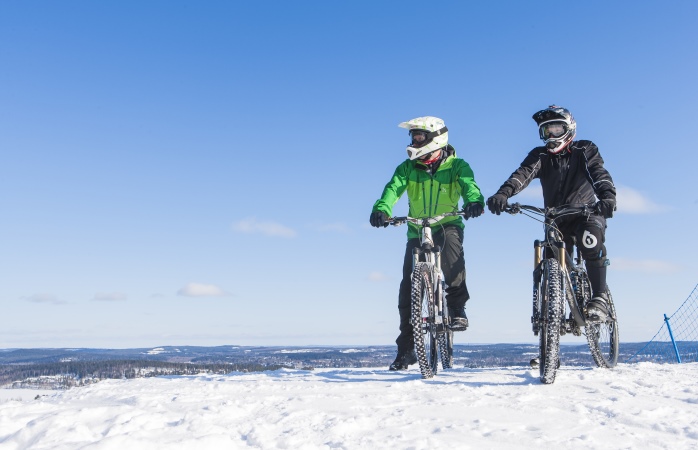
(513, 209)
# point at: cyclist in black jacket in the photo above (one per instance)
(570, 172)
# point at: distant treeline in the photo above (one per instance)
(63, 375)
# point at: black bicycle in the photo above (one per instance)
(430, 320)
(561, 283)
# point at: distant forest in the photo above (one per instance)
(65, 368)
(64, 375)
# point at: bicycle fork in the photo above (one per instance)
(537, 294)
(432, 255)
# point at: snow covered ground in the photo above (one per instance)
(631, 407)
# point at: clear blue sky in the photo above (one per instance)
(179, 172)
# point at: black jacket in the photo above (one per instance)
(573, 176)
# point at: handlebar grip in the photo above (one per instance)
(396, 221)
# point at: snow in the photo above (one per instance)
(24, 395)
(156, 351)
(641, 405)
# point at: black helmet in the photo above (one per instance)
(556, 127)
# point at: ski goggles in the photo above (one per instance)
(552, 130)
(421, 138)
(418, 137)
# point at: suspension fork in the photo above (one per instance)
(432, 255)
(537, 253)
(537, 275)
(567, 285)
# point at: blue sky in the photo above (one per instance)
(201, 173)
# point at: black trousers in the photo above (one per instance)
(589, 234)
(450, 239)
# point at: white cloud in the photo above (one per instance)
(378, 276)
(109, 297)
(631, 201)
(252, 225)
(644, 265)
(202, 290)
(44, 298)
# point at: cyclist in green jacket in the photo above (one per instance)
(435, 181)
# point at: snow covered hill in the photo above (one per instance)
(633, 406)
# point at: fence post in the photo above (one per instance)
(671, 335)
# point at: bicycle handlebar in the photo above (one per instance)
(551, 212)
(397, 221)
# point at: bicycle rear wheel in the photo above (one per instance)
(603, 338)
(551, 312)
(446, 349)
(423, 323)
(445, 334)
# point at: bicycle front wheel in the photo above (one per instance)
(551, 311)
(423, 323)
(603, 338)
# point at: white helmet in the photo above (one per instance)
(428, 134)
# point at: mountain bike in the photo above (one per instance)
(430, 320)
(558, 277)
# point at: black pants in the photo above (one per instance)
(450, 239)
(589, 234)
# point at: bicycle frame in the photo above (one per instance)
(432, 255)
(574, 291)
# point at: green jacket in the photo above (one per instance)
(431, 194)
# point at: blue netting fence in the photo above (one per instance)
(682, 326)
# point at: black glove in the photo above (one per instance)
(605, 207)
(379, 219)
(473, 210)
(497, 203)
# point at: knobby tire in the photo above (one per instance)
(446, 349)
(603, 339)
(445, 335)
(552, 309)
(424, 328)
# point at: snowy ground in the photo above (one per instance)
(634, 406)
(24, 395)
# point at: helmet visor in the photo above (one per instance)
(553, 130)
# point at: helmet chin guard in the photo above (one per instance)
(427, 133)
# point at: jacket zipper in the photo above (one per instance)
(438, 193)
(431, 195)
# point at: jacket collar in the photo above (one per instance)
(447, 154)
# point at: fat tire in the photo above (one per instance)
(446, 349)
(604, 339)
(423, 326)
(551, 311)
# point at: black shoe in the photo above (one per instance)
(403, 360)
(597, 308)
(459, 321)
